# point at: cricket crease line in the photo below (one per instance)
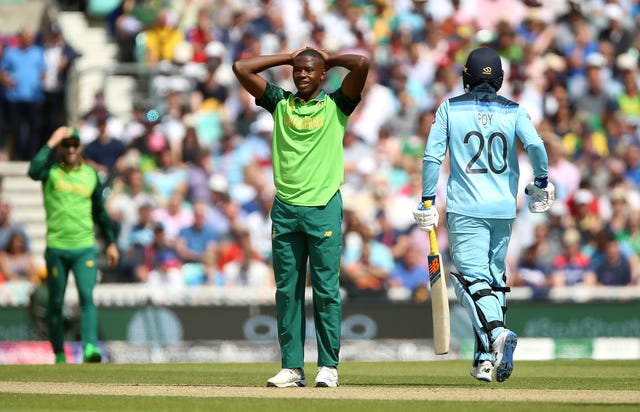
(343, 392)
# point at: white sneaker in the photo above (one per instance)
(503, 347)
(327, 377)
(287, 378)
(482, 371)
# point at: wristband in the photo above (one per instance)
(541, 182)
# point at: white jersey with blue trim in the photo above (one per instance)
(479, 129)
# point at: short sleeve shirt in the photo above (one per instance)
(308, 160)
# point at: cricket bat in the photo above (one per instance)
(439, 296)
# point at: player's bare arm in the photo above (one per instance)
(113, 255)
(358, 67)
(246, 70)
(59, 135)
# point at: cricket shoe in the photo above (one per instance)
(503, 347)
(482, 371)
(327, 377)
(92, 354)
(61, 358)
(287, 378)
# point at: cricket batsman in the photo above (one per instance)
(72, 200)
(479, 130)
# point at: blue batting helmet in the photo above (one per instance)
(483, 65)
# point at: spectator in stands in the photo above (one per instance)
(22, 71)
(370, 115)
(576, 53)
(572, 267)
(201, 34)
(8, 227)
(615, 32)
(246, 114)
(595, 100)
(198, 174)
(531, 264)
(128, 194)
(167, 178)
(259, 220)
(358, 159)
(405, 122)
(99, 112)
(134, 244)
(147, 144)
(161, 264)
(366, 265)
(104, 152)
(628, 99)
(162, 38)
(17, 262)
(211, 121)
(631, 158)
(566, 174)
(613, 269)
(175, 215)
(138, 124)
(530, 270)
(228, 159)
(135, 17)
(4, 153)
(585, 210)
(395, 239)
(190, 146)
(255, 148)
(409, 273)
(59, 57)
(246, 268)
(197, 245)
(618, 221)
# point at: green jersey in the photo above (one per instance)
(72, 198)
(308, 159)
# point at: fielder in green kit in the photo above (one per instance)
(308, 169)
(73, 200)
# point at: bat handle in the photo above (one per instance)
(433, 241)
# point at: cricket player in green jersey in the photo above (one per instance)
(308, 169)
(73, 201)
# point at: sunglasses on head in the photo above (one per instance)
(71, 143)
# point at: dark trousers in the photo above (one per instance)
(54, 112)
(26, 128)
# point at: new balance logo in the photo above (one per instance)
(434, 267)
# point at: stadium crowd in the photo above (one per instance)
(188, 174)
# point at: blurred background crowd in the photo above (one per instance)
(188, 171)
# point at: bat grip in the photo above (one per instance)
(433, 241)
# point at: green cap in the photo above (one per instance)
(75, 134)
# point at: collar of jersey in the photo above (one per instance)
(319, 96)
(68, 168)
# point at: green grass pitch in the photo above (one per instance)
(562, 385)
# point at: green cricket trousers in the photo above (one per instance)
(84, 266)
(312, 234)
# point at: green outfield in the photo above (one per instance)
(583, 385)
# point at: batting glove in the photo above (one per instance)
(542, 194)
(426, 217)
